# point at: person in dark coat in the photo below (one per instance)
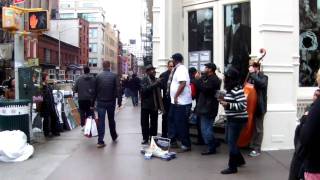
(310, 137)
(260, 82)
(151, 103)
(207, 105)
(85, 87)
(165, 98)
(134, 87)
(297, 162)
(107, 90)
(48, 110)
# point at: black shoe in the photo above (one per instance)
(229, 171)
(205, 153)
(114, 138)
(184, 149)
(56, 134)
(144, 142)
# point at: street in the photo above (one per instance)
(73, 156)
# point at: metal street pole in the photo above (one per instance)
(18, 53)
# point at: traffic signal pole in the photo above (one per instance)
(18, 53)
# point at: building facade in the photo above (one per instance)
(111, 46)
(201, 31)
(91, 11)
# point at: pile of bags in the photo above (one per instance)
(14, 146)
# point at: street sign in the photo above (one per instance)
(38, 21)
(33, 62)
(18, 1)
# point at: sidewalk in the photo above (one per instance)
(72, 156)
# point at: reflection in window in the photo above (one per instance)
(309, 38)
(200, 37)
(237, 37)
(93, 47)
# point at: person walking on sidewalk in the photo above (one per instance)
(165, 98)
(151, 103)
(235, 105)
(181, 100)
(107, 92)
(85, 87)
(134, 86)
(260, 82)
(207, 105)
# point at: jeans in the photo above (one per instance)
(149, 129)
(207, 132)
(102, 108)
(135, 100)
(233, 130)
(85, 111)
(178, 123)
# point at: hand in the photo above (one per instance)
(175, 100)
(224, 103)
(251, 69)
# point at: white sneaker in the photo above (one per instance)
(254, 153)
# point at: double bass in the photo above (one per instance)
(251, 94)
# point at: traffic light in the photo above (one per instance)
(38, 21)
(11, 20)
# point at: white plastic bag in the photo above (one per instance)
(94, 130)
(90, 128)
(87, 127)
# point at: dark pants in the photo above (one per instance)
(166, 103)
(135, 100)
(178, 123)
(207, 132)
(102, 108)
(257, 132)
(85, 111)
(233, 130)
(149, 123)
(50, 124)
(199, 133)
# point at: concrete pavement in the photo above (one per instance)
(73, 156)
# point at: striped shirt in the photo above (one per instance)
(237, 103)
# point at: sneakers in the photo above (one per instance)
(208, 152)
(144, 142)
(254, 153)
(101, 145)
(184, 149)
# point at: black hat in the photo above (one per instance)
(177, 57)
(232, 73)
(211, 66)
(149, 67)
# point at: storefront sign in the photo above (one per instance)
(33, 62)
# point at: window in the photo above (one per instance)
(237, 37)
(52, 73)
(66, 5)
(91, 17)
(200, 34)
(66, 15)
(93, 62)
(93, 47)
(47, 55)
(93, 32)
(309, 37)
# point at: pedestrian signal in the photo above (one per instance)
(11, 20)
(38, 21)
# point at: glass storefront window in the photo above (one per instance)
(200, 37)
(309, 11)
(237, 37)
